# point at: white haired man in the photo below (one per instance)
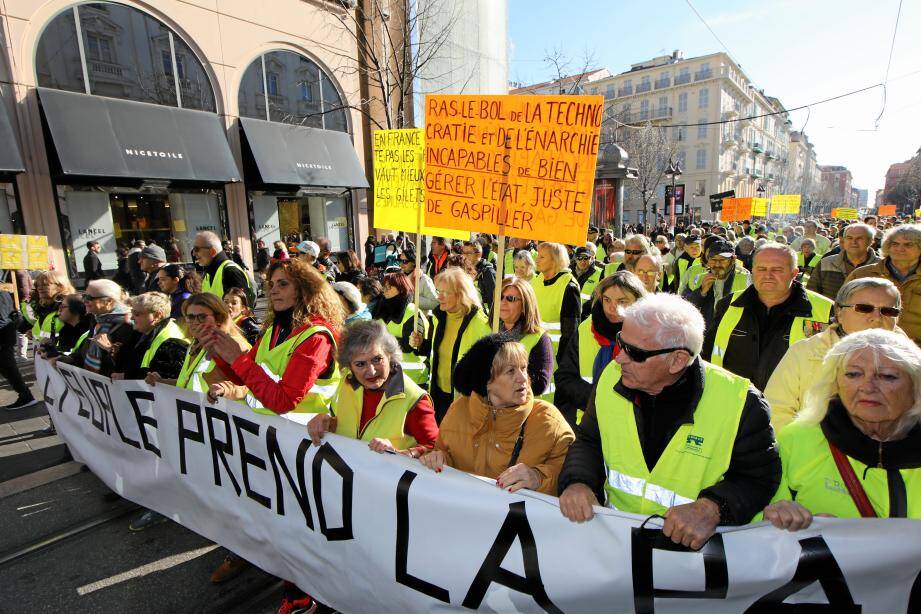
(220, 272)
(674, 435)
(856, 251)
(754, 328)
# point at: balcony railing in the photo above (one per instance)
(663, 83)
(662, 112)
(643, 87)
(682, 79)
(625, 91)
(757, 148)
(770, 155)
(106, 68)
(700, 75)
(756, 173)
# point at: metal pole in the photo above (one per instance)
(619, 209)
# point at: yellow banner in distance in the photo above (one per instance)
(760, 207)
(24, 252)
(522, 165)
(399, 167)
(785, 203)
(844, 213)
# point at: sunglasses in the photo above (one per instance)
(201, 318)
(583, 257)
(640, 355)
(88, 298)
(889, 312)
(635, 252)
(508, 298)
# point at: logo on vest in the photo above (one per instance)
(694, 444)
(835, 486)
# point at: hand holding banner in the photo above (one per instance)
(519, 165)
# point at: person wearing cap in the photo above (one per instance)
(355, 309)
(688, 258)
(721, 278)
(152, 259)
(634, 247)
(496, 428)
(220, 273)
(754, 328)
(587, 273)
(667, 433)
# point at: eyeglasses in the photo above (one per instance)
(647, 273)
(889, 312)
(87, 298)
(640, 355)
(635, 252)
(200, 318)
(583, 257)
(444, 292)
(508, 298)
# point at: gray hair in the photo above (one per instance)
(526, 257)
(809, 241)
(151, 302)
(894, 346)
(871, 232)
(656, 259)
(211, 240)
(106, 288)
(777, 247)
(677, 322)
(912, 232)
(642, 240)
(361, 336)
(747, 240)
(866, 283)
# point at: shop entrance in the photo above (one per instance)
(292, 218)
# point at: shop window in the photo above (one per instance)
(127, 54)
(299, 92)
(292, 219)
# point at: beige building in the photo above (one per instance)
(153, 120)
(704, 104)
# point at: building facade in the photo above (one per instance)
(836, 188)
(152, 121)
(727, 134)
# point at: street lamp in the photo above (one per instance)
(673, 171)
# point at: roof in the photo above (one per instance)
(563, 81)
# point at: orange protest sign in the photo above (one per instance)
(730, 207)
(886, 210)
(519, 165)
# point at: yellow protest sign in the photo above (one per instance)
(917, 212)
(24, 252)
(399, 165)
(759, 207)
(844, 213)
(786, 203)
(519, 165)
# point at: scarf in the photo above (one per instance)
(390, 309)
(104, 325)
(604, 332)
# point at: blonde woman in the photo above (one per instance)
(40, 314)
(558, 296)
(459, 322)
(521, 320)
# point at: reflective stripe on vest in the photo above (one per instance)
(170, 331)
(821, 312)
(216, 285)
(274, 361)
(696, 457)
(192, 375)
(49, 325)
(810, 471)
(78, 343)
(389, 421)
(550, 304)
(28, 314)
(588, 288)
(412, 364)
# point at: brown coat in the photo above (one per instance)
(479, 439)
(910, 320)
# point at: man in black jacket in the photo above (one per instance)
(661, 394)
(8, 367)
(92, 266)
(484, 275)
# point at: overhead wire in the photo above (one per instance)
(895, 31)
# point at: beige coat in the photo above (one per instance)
(479, 439)
(910, 320)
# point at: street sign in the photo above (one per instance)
(716, 200)
(679, 199)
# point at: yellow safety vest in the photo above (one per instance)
(813, 260)
(47, 327)
(476, 330)
(588, 351)
(274, 361)
(216, 285)
(821, 313)
(696, 457)
(809, 470)
(170, 331)
(194, 368)
(682, 265)
(550, 304)
(600, 253)
(28, 314)
(389, 421)
(413, 365)
(588, 287)
(509, 264)
(696, 278)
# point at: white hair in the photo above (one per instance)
(677, 323)
(641, 239)
(106, 288)
(897, 347)
(212, 240)
(871, 232)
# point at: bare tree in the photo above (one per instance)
(399, 45)
(907, 192)
(561, 64)
(650, 150)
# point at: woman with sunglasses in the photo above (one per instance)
(397, 312)
(105, 301)
(75, 326)
(595, 346)
(349, 267)
(428, 298)
(864, 303)
(241, 315)
(521, 320)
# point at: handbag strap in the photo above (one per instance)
(858, 494)
(520, 442)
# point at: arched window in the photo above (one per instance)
(283, 86)
(113, 50)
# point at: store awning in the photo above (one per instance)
(105, 137)
(10, 160)
(300, 156)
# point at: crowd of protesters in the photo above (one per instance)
(713, 376)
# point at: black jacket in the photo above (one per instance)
(167, 362)
(92, 267)
(705, 303)
(762, 336)
(65, 339)
(486, 283)
(232, 276)
(570, 312)
(8, 319)
(754, 467)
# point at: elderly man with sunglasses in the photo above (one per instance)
(667, 433)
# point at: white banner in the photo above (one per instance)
(365, 532)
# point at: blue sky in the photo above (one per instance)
(800, 51)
